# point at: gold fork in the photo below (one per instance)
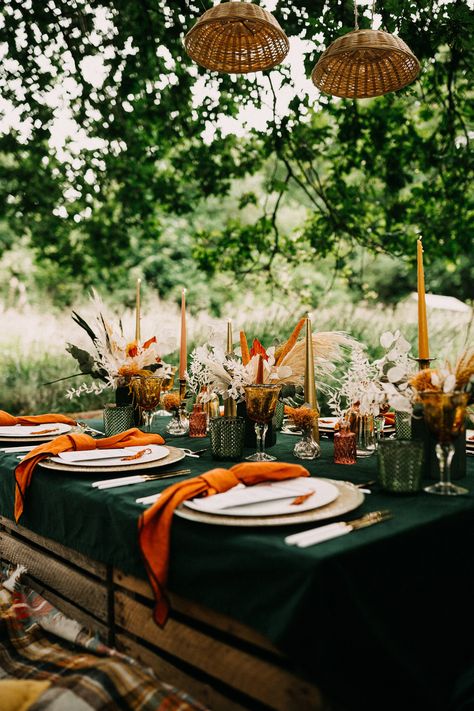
(370, 518)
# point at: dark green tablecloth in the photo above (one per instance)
(381, 618)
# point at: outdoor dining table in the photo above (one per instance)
(380, 618)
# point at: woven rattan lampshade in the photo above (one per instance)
(365, 63)
(237, 38)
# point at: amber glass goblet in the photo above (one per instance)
(166, 385)
(444, 414)
(261, 401)
(146, 391)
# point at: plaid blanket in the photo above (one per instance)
(38, 642)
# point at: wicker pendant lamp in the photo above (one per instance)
(237, 38)
(365, 63)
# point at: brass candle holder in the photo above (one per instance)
(309, 379)
(423, 363)
(182, 389)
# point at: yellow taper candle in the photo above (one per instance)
(423, 347)
(230, 406)
(137, 312)
(182, 347)
(309, 379)
(229, 347)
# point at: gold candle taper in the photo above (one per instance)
(423, 345)
(230, 407)
(309, 381)
(137, 312)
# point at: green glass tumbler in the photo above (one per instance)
(227, 437)
(400, 465)
(117, 419)
(402, 425)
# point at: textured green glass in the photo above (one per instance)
(400, 465)
(403, 425)
(279, 414)
(117, 418)
(227, 437)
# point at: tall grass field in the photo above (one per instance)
(33, 341)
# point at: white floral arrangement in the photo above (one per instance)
(396, 370)
(374, 386)
(226, 375)
(113, 358)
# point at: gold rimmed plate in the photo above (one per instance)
(174, 455)
(349, 498)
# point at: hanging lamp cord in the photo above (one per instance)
(356, 15)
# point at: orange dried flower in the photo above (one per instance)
(302, 417)
(171, 401)
(131, 349)
(258, 349)
(148, 343)
(422, 381)
(127, 370)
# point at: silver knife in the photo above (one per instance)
(136, 479)
(19, 449)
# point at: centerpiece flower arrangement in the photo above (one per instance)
(113, 359)
(227, 374)
(375, 386)
(369, 388)
(448, 378)
(402, 383)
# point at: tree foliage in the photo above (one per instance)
(373, 173)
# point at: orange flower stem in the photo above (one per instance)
(244, 348)
(291, 341)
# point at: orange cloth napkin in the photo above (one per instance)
(389, 418)
(70, 443)
(154, 526)
(7, 420)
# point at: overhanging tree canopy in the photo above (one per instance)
(373, 173)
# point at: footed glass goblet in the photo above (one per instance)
(261, 401)
(146, 391)
(444, 414)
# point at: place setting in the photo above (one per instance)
(124, 459)
(293, 502)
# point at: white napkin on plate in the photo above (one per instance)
(242, 495)
(94, 454)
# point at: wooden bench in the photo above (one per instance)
(223, 664)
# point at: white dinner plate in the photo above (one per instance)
(48, 429)
(327, 423)
(323, 493)
(111, 458)
(349, 498)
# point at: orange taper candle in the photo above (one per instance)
(137, 313)
(183, 356)
(423, 347)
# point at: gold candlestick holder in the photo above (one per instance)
(423, 363)
(182, 389)
(309, 379)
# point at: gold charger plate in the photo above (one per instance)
(175, 455)
(350, 497)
